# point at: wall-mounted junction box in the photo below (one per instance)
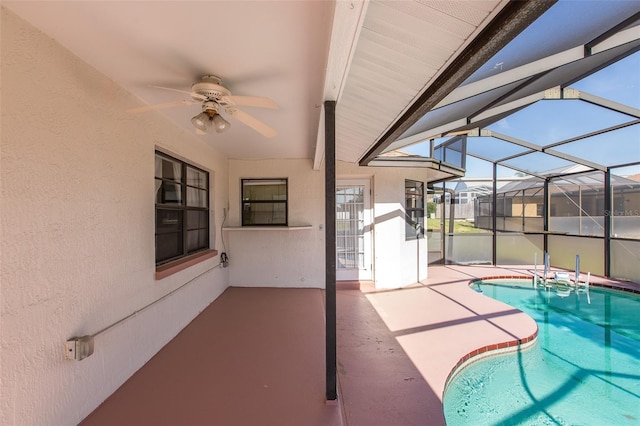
(78, 348)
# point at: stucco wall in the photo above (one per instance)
(77, 232)
(296, 258)
(397, 262)
(278, 258)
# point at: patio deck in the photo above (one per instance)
(255, 356)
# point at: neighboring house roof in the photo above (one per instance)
(587, 180)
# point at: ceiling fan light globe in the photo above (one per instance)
(220, 124)
(201, 121)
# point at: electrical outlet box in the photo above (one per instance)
(79, 348)
(70, 349)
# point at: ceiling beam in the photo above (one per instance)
(435, 133)
(509, 107)
(348, 18)
(591, 134)
(504, 165)
(608, 104)
(515, 141)
(527, 172)
(534, 147)
(575, 159)
(615, 36)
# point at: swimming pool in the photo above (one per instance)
(583, 370)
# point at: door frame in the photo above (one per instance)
(433, 259)
(366, 274)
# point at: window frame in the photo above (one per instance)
(244, 220)
(184, 208)
(409, 223)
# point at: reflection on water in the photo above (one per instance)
(584, 368)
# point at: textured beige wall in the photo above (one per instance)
(279, 258)
(77, 231)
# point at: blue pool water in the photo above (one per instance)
(583, 370)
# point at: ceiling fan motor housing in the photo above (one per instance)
(210, 88)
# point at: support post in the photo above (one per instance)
(545, 220)
(443, 215)
(494, 216)
(608, 212)
(330, 248)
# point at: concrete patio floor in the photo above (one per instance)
(255, 356)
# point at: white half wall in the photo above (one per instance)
(278, 257)
(77, 232)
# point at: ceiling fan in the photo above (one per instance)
(215, 98)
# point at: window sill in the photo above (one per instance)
(267, 228)
(175, 266)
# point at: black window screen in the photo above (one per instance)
(182, 208)
(264, 202)
(414, 209)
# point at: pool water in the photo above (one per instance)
(584, 368)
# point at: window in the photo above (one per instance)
(413, 209)
(264, 202)
(453, 151)
(182, 209)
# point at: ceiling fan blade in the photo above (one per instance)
(252, 122)
(193, 94)
(250, 101)
(159, 106)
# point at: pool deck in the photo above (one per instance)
(256, 355)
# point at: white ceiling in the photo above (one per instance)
(277, 49)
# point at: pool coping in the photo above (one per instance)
(492, 349)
